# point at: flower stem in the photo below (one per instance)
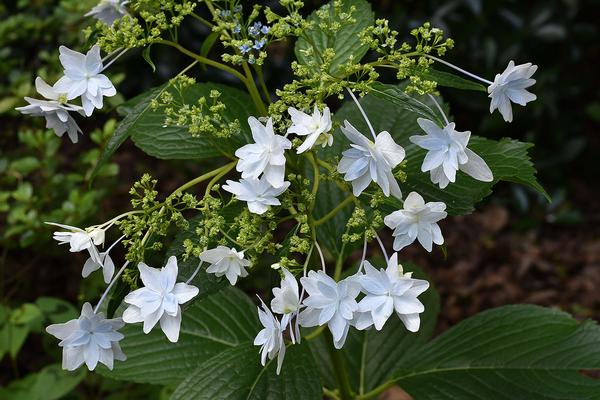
(363, 114)
(112, 283)
(201, 178)
(334, 212)
(339, 368)
(253, 90)
(439, 108)
(459, 69)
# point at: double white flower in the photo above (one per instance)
(510, 86)
(447, 153)
(79, 240)
(83, 77)
(315, 127)
(367, 161)
(226, 261)
(417, 220)
(387, 291)
(159, 299)
(90, 339)
(258, 193)
(270, 338)
(55, 109)
(108, 11)
(265, 155)
(330, 302)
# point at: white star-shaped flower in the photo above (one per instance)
(258, 193)
(265, 155)
(83, 78)
(226, 261)
(270, 338)
(159, 299)
(286, 301)
(79, 240)
(90, 339)
(447, 152)
(367, 161)
(315, 126)
(108, 11)
(329, 302)
(388, 290)
(55, 109)
(417, 220)
(510, 86)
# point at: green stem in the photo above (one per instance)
(205, 60)
(339, 263)
(375, 392)
(202, 178)
(253, 90)
(261, 81)
(331, 394)
(339, 368)
(316, 181)
(202, 20)
(334, 212)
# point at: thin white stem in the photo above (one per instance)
(320, 255)
(364, 255)
(112, 283)
(363, 114)
(439, 108)
(460, 69)
(195, 272)
(115, 243)
(382, 247)
(109, 55)
(114, 59)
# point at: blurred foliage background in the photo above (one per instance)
(518, 248)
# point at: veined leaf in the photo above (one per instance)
(453, 81)
(344, 42)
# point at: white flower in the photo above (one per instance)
(226, 261)
(265, 155)
(108, 11)
(510, 86)
(367, 161)
(79, 240)
(314, 126)
(83, 78)
(417, 220)
(447, 153)
(258, 193)
(90, 339)
(159, 299)
(55, 110)
(388, 290)
(270, 338)
(286, 299)
(329, 302)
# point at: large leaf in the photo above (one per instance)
(344, 42)
(237, 374)
(146, 126)
(372, 356)
(450, 80)
(210, 326)
(508, 159)
(512, 352)
(51, 383)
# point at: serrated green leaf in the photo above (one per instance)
(344, 42)
(512, 352)
(209, 326)
(237, 374)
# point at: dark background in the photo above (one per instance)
(517, 248)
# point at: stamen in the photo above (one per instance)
(363, 114)
(459, 69)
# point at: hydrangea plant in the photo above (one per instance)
(295, 188)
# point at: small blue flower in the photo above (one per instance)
(251, 59)
(225, 13)
(265, 29)
(237, 9)
(245, 48)
(254, 30)
(259, 44)
(237, 29)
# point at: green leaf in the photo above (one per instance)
(237, 374)
(396, 96)
(175, 142)
(146, 126)
(210, 326)
(344, 42)
(512, 352)
(51, 383)
(450, 80)
(147, 57)
(508, 159)
(208, 44)
(330, 233)
(372, 356)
